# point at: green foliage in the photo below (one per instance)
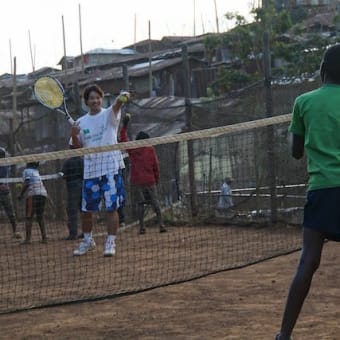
(227, 79)
(298, 14)
(211, 43)
(299, 50)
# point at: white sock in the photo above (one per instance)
(111, 238)
(87, 237)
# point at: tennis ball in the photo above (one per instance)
(123, 99)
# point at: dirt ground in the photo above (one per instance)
(242, 303)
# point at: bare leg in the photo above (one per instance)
(28, 229)
(112, 222)
(42, 227)
(87, 223)
(141, 210)
(308, 264)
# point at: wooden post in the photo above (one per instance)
(150, 62)
(31, 52)
(210, 206)
(11, 144)
(10, 55)
(194, 24)
(269, 113)
(135, 33)
(190, 144)
(64, 44)
(126, 78)
(216, 17)
(81, 41)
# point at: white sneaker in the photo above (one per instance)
(84, 247)
(110, 248)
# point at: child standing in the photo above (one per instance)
(36, 195)
(315, 127)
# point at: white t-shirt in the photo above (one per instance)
(35, 184)
(100, 130)
(225, 200)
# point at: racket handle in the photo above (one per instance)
(70, 120)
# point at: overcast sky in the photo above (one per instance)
(105, 24)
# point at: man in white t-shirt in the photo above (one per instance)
(102, 171)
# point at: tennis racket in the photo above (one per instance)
(50, 93)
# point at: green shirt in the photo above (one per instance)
(316, 116)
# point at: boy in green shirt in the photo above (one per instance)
(315, 127)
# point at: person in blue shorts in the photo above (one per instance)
(102, 177)
(315, 127)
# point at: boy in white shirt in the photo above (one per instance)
(36, 195)
(102, 171)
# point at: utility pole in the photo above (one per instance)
(269, 111)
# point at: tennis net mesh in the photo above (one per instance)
(208, 230)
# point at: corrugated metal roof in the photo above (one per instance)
(157, 116)
(138, 70)
(121, 51)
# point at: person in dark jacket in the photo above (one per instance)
(5, 196)
(72, 172)
(144, 176)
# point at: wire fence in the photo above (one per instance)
(229, 230)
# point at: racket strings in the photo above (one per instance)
(48, 92)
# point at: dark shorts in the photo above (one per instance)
(145, 194)
(35, 206)
(322, 212)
